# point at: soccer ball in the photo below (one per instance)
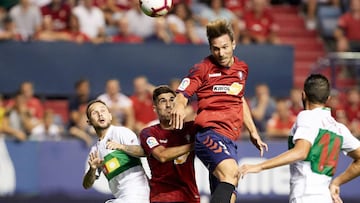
(155, 8)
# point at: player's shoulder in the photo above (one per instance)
(149, 130)
(121, 129)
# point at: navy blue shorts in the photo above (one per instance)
(212, 148)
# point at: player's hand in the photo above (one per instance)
(259, 144)
(178, 115)
(113, 145)
(249, 168)
(94, 160)
(335, 193)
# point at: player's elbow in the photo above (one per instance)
(301, 155)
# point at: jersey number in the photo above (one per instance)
(329, 154)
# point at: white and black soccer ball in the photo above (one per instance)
(156, 8)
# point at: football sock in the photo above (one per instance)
(222, 193)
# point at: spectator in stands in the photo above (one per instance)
(336, 106)
(8, 30)
(19, 118)
(78, 127)
(280, 123)
(27, 18)
(260, 27)
(59, 12)
(142, 103)
(112, 14)
(295, 101)
(91, 20)
(352, 109)
(73, 32)
(47, 129)
(311, 8)
(33, 103)
(124, 35)
(181, 26)
(347, 34)
(262, 106)
(215, 9)
(5, 127)
(119, 104)
(237, 6)
(48, 34)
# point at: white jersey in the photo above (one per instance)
(127, 179)
(312, 176)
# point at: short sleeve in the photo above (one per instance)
(350, 143)
(191, 83)
(148, 141)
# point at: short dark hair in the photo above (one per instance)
(162, 89)
(317, 88)
(91, 103)
(218, 28)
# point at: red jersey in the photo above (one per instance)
(172, 181)
(351, 26)
(59, 16)
(143, 110)
(219, 91)
(259, 26)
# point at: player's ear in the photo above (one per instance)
(234, 45)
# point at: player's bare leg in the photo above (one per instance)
(228, 176)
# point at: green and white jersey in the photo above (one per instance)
(127, 179)
(328, 137)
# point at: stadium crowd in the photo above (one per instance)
(25, 117)
(112, 21)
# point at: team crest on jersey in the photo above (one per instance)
(241, 75)
(184, 84)
(151, 142)
(111, 165)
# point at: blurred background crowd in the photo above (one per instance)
(26, 116)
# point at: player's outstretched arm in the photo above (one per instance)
(249, 124)
(298, 153)
(349, 174)
(178, 113)
(132, 150)
(94, 162)
(163, 154)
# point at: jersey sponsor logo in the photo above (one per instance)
(233, 89)
(151, 142)
(184, 84)
(221, 88)
(212, 75)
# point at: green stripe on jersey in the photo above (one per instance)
(117, 162)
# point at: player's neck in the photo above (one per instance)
(101, 132)
(165, 125)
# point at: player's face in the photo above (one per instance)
(165, 104)
(222, 49)
(100, 117)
